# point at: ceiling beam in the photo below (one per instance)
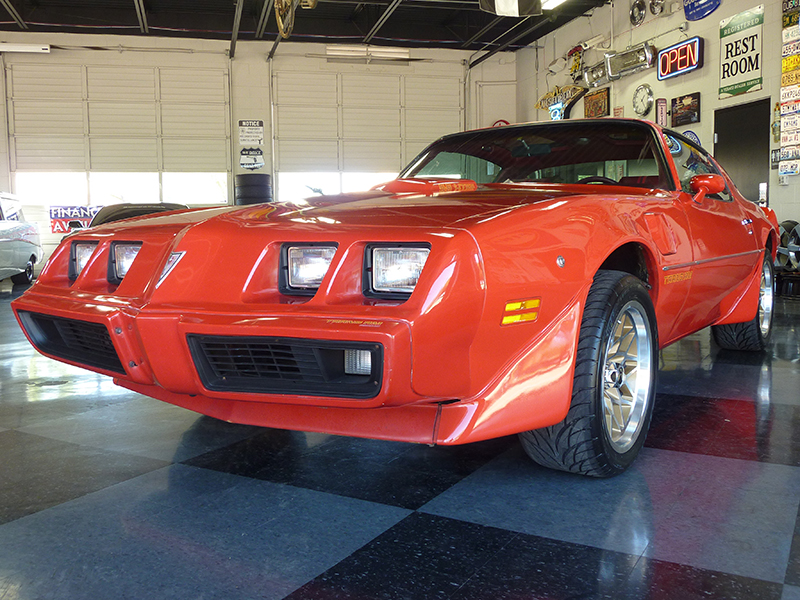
(538, 25)
(266, 10)
(14, 14)
(381, 20)
(481, 33)
(237, 19)
(140, 14)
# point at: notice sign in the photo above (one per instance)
(60, 216)
(251, 133)
(740, 58)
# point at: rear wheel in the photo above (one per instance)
(753, 335)
(614, 384)
(26, 277)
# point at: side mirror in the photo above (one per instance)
(702, 185)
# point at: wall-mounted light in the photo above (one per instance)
(35, 48)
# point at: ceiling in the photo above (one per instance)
(410, 23)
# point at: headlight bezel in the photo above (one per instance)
(370, 289)
(74, 269)
(285, 283)
(113, 276)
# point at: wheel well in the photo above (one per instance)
(629, 258)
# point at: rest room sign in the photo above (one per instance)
(741, 59)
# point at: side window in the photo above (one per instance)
(691, 161)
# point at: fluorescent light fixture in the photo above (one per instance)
(551, 4)
(35, 48)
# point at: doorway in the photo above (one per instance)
(741, 145)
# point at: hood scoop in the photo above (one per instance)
(427, 187)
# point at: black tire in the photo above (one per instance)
(586, 442)
(26, 277)
(754, 335)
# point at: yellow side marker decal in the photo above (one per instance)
(521, 311)
(676, 277)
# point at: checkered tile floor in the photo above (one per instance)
(107, 494)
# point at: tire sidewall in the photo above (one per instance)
(627, 289)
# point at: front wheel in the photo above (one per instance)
(614, 384)
(753, 335)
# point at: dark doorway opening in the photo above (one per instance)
(741, 145)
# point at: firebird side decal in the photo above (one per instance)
(676, 277)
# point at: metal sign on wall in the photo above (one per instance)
(740, 47)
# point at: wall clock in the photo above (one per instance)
(643, 100)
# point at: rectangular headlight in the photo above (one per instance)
(306, 266)
(80, 253)
(122, 256)
(397, 270)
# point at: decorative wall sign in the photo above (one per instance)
(567, 96)
(662, 112)
(683, 57)
(686, 109)
(740, 59)
(692, 136)
(699, 9)
(251, 158)
(251, 132)
(596, 104)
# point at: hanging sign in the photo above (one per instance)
(740, 53)
(699, 9)
(681, 58)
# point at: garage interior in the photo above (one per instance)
(108, 494)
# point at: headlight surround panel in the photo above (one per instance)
(79, 254)
(303, 266)
(391, 271)
(120, 259)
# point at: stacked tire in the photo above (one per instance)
(788, 257)
(252, 188)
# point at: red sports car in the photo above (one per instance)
(512, 280)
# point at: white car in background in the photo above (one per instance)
(20, 248)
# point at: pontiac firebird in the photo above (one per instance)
(513, 280)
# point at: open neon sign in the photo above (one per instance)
(680, 58)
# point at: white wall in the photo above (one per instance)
(532, 81)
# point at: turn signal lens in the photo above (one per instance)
(397, 270)
(308, 265)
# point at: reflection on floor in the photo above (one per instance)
(107, 494)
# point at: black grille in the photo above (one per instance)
(283, 366)
(82, 342)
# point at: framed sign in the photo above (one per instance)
(662, 112)
(683, 57)
(596, 104)
(686, 109)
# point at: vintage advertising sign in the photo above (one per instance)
(699, 9)
(740, 60)
(683, 57)
(60, 216)
(251, 133)
(597, 104)
(251, 158)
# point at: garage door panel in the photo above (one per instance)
(193, 85)
(431, 124)
(49, 153)
(48, 118)
(368, 123)
(307, 122)
(370, 90)
(209, 154)
(433, 92)
(193, 119)
(377, 157)
(318, 89)
(61, 82)
(123, 154)
(122, 119)
(128, 84)
(308, 155)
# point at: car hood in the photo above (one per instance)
(367, 209)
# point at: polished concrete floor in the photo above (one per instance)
(107, 494)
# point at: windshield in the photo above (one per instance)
(561, 152)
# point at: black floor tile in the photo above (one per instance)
(727, 428)
(397, 474)
(37, 473)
